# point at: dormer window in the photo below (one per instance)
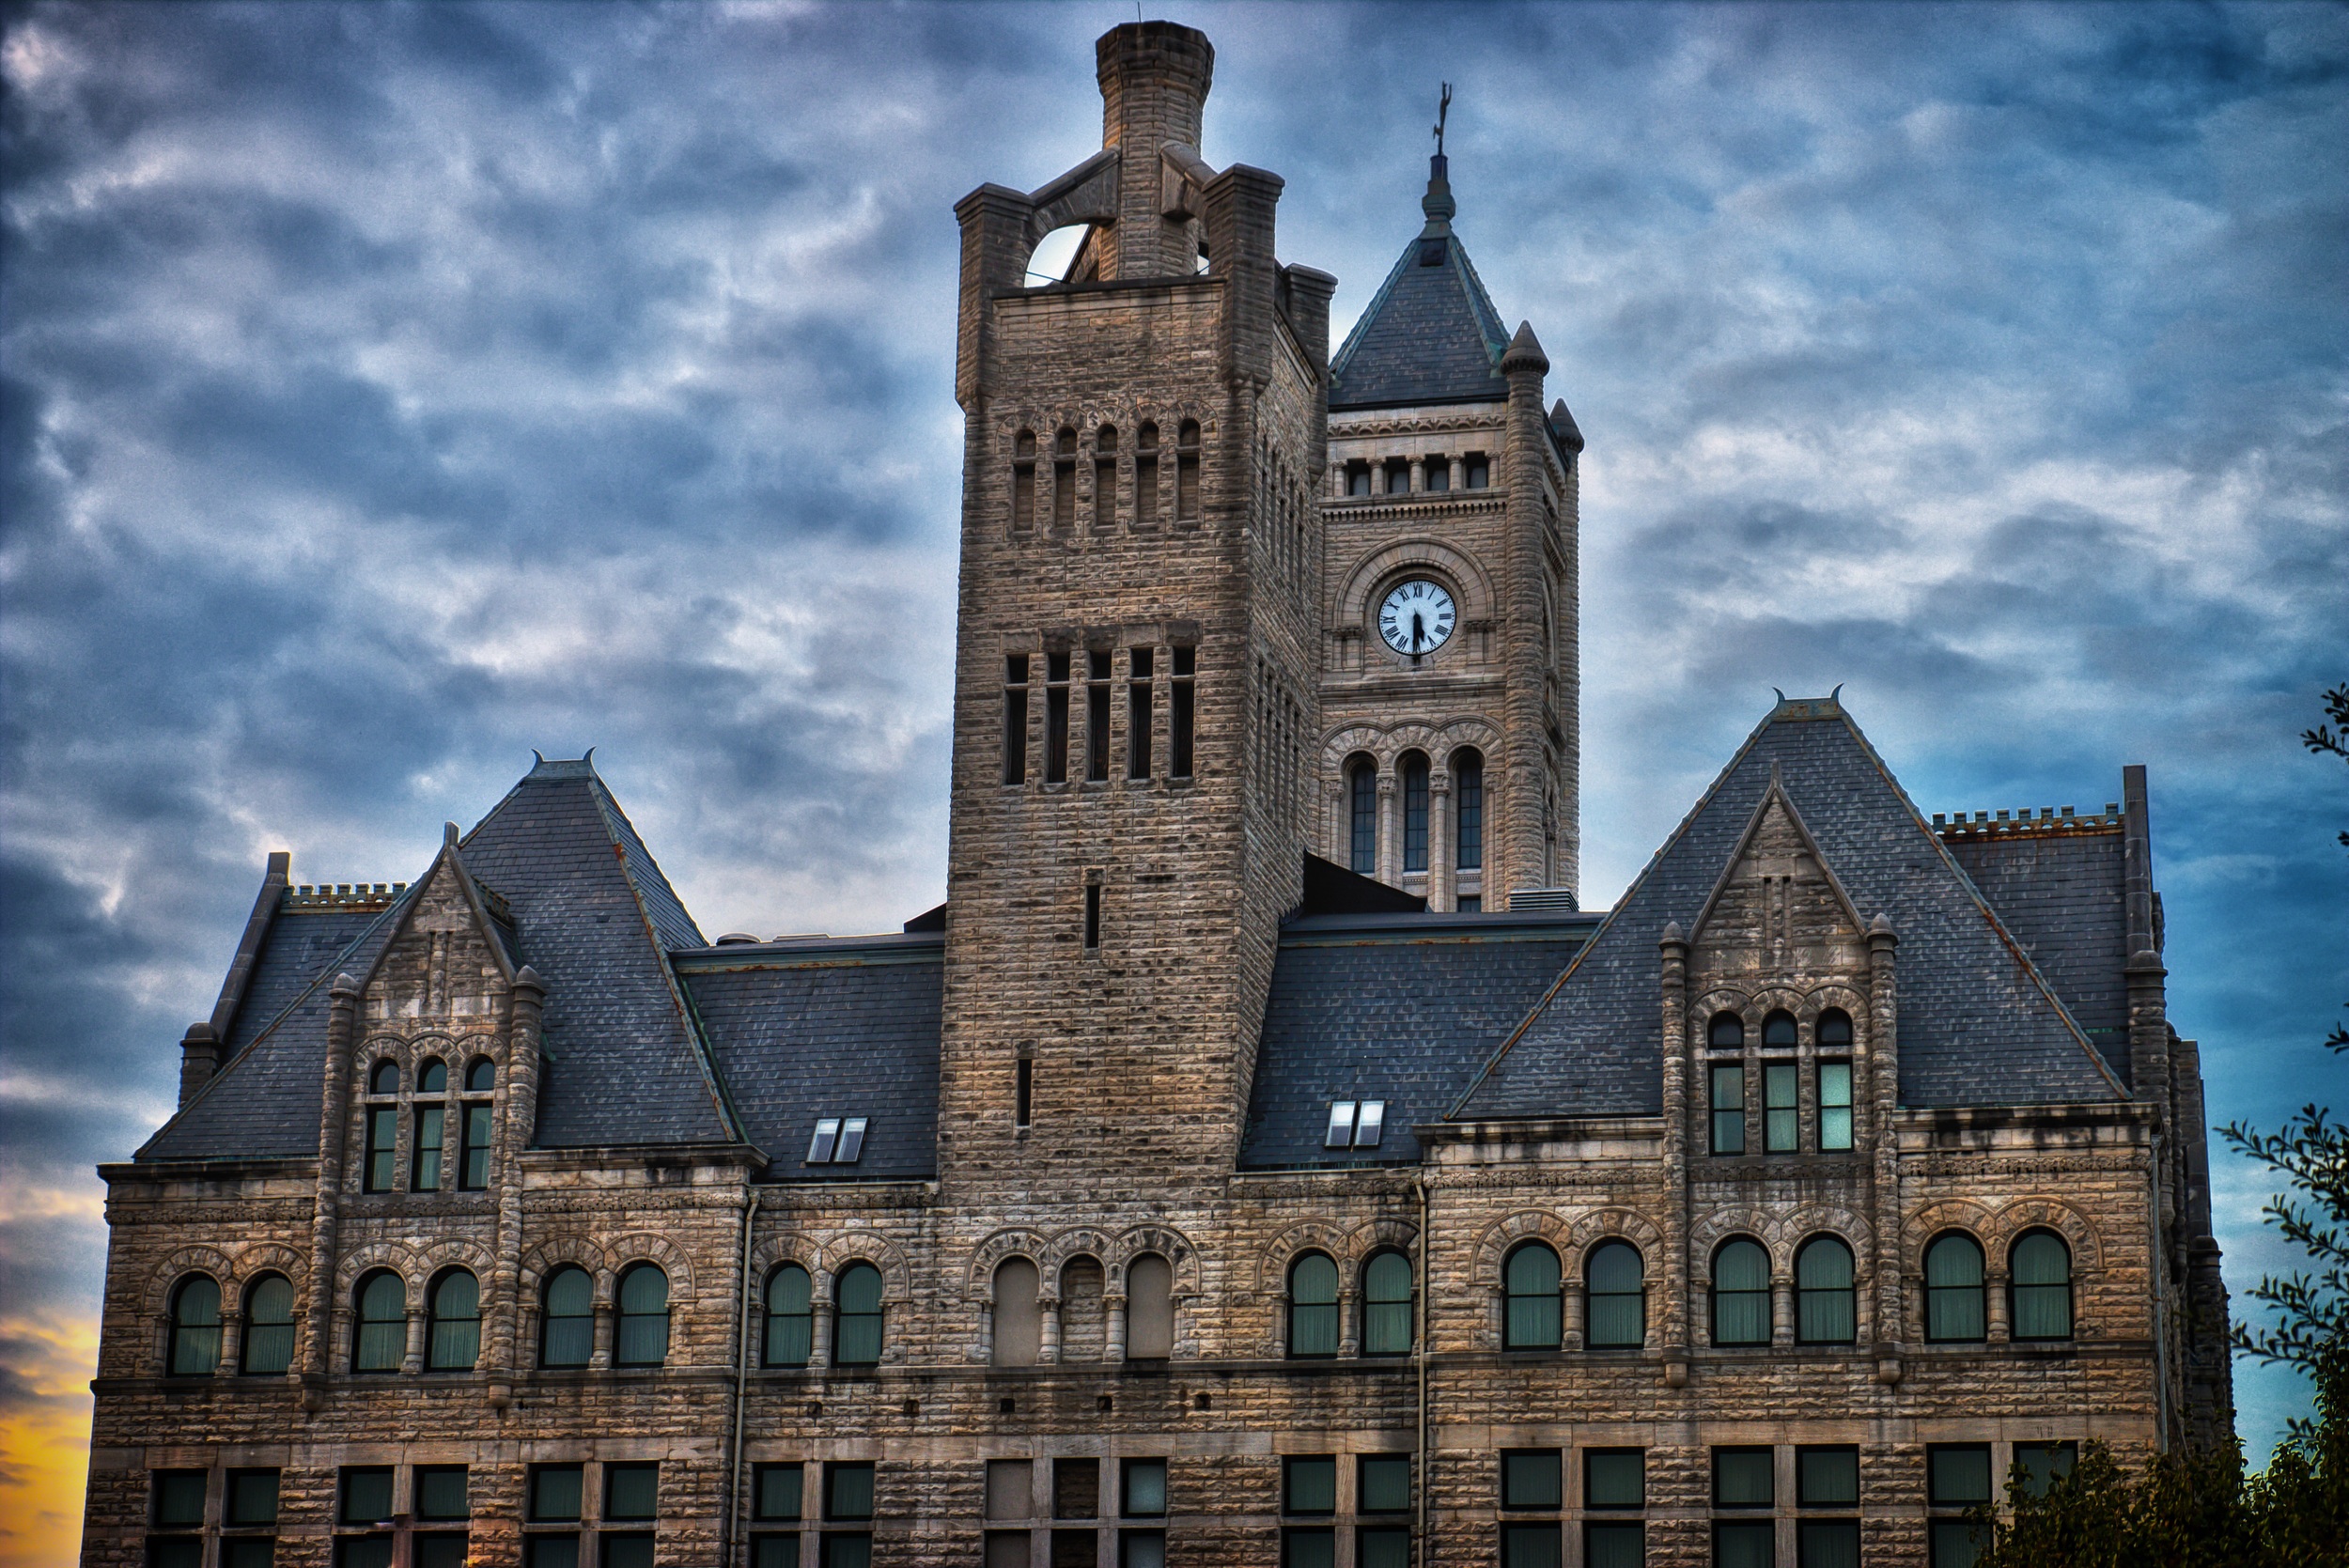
(838, 1141)
(1355, 1124)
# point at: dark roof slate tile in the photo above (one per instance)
(2063, 898)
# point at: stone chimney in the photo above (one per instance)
(1154, 77)
(199, 1058)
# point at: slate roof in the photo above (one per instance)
(2061, 892)
(1399, 1007)
(1979, 1024)
(1430, 335)
(839, 1027)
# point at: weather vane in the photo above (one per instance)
(1443, 112)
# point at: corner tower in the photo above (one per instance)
(1449, 761)
(1133, 694)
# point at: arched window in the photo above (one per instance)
(1728, 1032)
(1834, 1030)
(481, 1077)
(1361, 788)
(383, 1078)
(432, 1078)
(1083, 1310)
(1018, 1320)
(1186, 471)
(1023, 479)
(196, 1326)
(1954, 1307)
(790, 1318)
(1065, 479)
(1149, 1309)
(1778, 1031)
(1146, 475)
(857, 1322)
(1105, 476)
(1617, 1296)
(1530, 1319)
(1387, 1305)
(1825, 1310)
(643, 1327)
(379, 1337)
(268, 1325)
(455, 1341)
(1414, 770)
(1741, 1294)
(2041, 1266)
(1468, 809)
(567, 1336)
(1314, 1306)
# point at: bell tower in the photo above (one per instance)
(1133, 692)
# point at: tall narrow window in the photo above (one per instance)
(1531, 1314)
(1024, 480)
(1064, 481)
(1098, 714)
(1093, 914)
(1105, 479)
(1953, 1303)
(1023, 1094)
(1147, 477)
(1182, 712)
(1186, 472)
(1778, 1031)
(1017, 1321)
(1414, 811)
(268, 1325)
(567, 1336)
(790, 1317)
(1358, 479)
(1834, 1106)
(1741, 1294)
(453, 1341)
(1361, 778)
(1438, 474)
(1387, 1305)
(1015, 717)
(1957, 1476)
(1729, 1108)
(473, 1173)
(431, 1126)
(1467, 810)
(1617, 1296)
(1056, 717)
(643, 1322)
(1138, 713)
(1477, 471)
(1782, 1113)
(1398, 476)
(383, 1148)
(1314, 1306)
(196, 1326)
(1824, 1309)
(1149, 1309)
(2041, 1269)
(1726, 1032)
(857, 1342)
(379, 1337)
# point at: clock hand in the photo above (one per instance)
(1418, 630)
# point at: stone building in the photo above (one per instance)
(1173, 1193)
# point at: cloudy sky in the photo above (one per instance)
(392, 389)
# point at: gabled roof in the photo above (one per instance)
(2059, 886)
(1430, 335)
(1979, 1024)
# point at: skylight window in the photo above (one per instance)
(838, 1141)
(1355, 1123)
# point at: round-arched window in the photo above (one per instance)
(1530, 1318)
(380, 1337)
(790, 1317)
(1728, 1032)
(1314, 1306)
(383, 1078)
(1826, 1312)
(455, 1341)
(1387, 1305)
(1617, 1296)
(1018, 1338)
(2041, 1272)
(268, 1325)
(194, 1327)
(1741, 1294)
(857, 1342)
(567, 1336)
(644, 1326)
(1954, 1305)
(1835, 1029)
(481, 1075)
(1778, 1031)
(432, 1078)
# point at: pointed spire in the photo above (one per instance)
(1569, 433)
(1524, 352)
(1437, 203)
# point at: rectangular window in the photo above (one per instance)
(1614, 1478)
(1309, 1485)
(1614, 1544)
(441, 1492)
(1023, 1094)
(1056, 717)
(1386, 1546)
(1009, 1489)
(827, 1138)
(431, 1122)
(179, 1499)
(848, 1491)
(852, 1143)
(1827, 1477)
(252, 1499)
(1525, 1545)
(1834, 1106)
(383, 1137)
(1341, 1132)
(550, 1551)
(631, 1491)
(1076, 1488)
(1093, 914)
(1473, 904)
(1138, 713)
(1371, 1125)
(476, 1174)
(1532, 1478)
(439, 1549)
(1005, 1548)
(362, 1551)
(1414, 815)
(1136, 1548)
(1074, 1548)
(175, 1551)
(555, 1492)
(1743, 1478)
(1182, 713)
(1780, 1107)
(1382, 1483)
(1023, 488)
(1468, 796)
(1745, 1543)
(1957, 1475)
(1016, 717)
(1309, 1548)
(366, 1495)
(1097, 715)
(1063, 494)
(847, 1551)
(1105, 492)
(260, 1551)
(1145, 1489)
(1146, 490)
(1956, 1543)
(2044, 1464)
(1729, 1109)
(630, 1551)
(775, 1491)
(1479, 471)
(1187, 483)
(1827, 1544)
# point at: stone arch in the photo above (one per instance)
(268, 1257)
(1373, 571)
(169, 1270)
(1706, 1235)
(1082, 1241)
(776, 1249)
(1385, 743)
(991, 1254)
(1493, 1244)
(435, 1256)
(1374, 1235)
(2042, 1214)
(366, 1260)
(647, 1246)
(865, 1246)
(553, 1252)
(1822, 1220)
(1950, 1214)
(1610, 1224)
(1168, 1243)
(1307, 1236)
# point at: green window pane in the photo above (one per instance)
(1956, 1544)
(180, 1497)
(455, 1342)
(175, 1551)
(1745, 1544)
(440, 1492)
(1614, 1545)
(476, 1172)
(252, 1497)
(1743, 1478)
(848, 1491)
(1387, 1305)
(1781, 1103)
(1827, 1477)
(1958, 1475)
(366, 1495)
(1728, 1116)
(847, 1551)
(1309, 1548)
(858, 1330)
(362, 1551)
(1614, 1478)
(790, 1318)
(1953, 1300)
(2043, 1463)
(550, 1551)
(779, 1492)
(1382, 1483)
(631, 1491)
(783, 1551)
(1828, 1544)
(440, 1550)
(268, 1326)
(250, 1552)
(1312, 1487)
(1529, 1546)
(1834, 1105)
(555, 1492)
(1382, 1548)
(643, 1336)
(1531, 1479)
(195, 1327)
(383, 1137)
(1146, 1488)
(1618, 1306)
(430, 1121)
(1826, 1312)
(627, 1551)
(1532, 1320)
(1136, 1548)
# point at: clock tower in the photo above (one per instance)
(1449, 759)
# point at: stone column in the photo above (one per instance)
(1350, 1307)
(1781, 1307)
(1993, 1282)
(819, 1324)
(517, 1092)
(1114, 1340)
(1341, 825)
(1390, 856)
(1884, 1169)
(231, 1338)
(1571, 1314)
(311, 1367)
(413, 1362)
(1418, 476)
(600, 1359)
(1047, 1314)
(1671, 1330)
(1441, 895)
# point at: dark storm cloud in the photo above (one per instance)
(386, 390)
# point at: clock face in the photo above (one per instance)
(1416, 617)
